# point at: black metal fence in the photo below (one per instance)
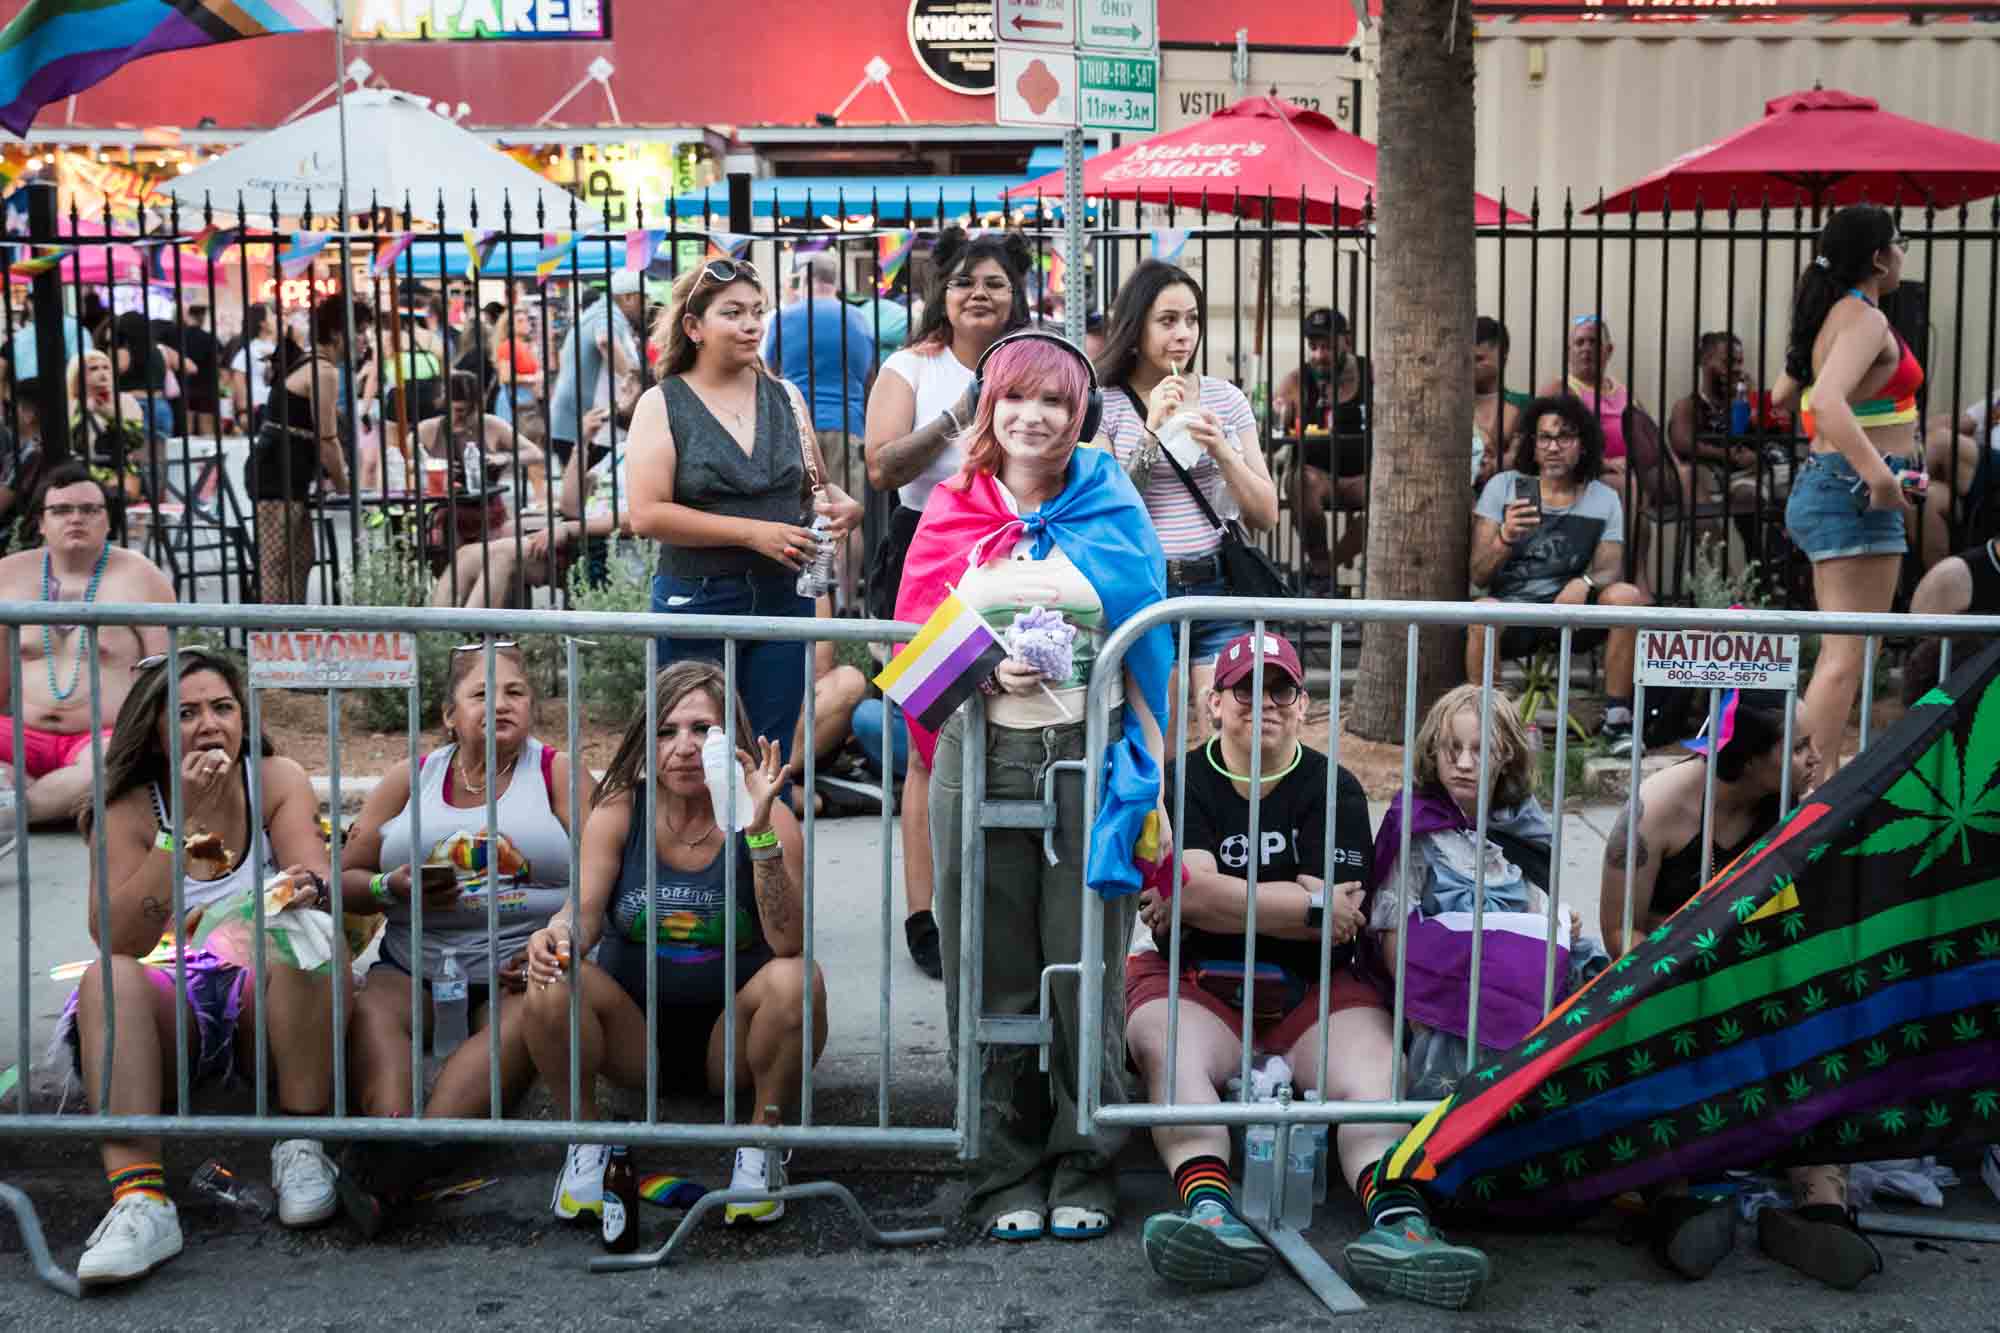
(172, 434)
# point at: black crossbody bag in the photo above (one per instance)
(1246, 569)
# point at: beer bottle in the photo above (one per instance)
(621, 1204)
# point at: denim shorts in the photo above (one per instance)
(1206, 638)
(1824, 516)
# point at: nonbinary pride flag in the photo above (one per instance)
(940, 668)
(55, 48)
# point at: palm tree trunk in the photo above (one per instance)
(1420, 499)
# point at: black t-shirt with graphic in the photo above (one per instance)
(1292, 828)
(1561, 548)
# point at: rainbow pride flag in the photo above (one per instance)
(55, 48)
(1832, 995)
(557, 246)
(940, 668)
(386, 254)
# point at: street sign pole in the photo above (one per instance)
(1076, 295)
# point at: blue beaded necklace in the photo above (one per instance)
(48, 639)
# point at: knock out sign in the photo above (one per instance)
(1718, 659)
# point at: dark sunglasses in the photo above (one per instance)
(1281, 693)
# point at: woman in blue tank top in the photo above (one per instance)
(700, 940)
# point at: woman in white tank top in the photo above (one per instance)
(406, 824)
(139, 834)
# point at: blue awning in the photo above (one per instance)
(887, 198)
(1049, 157)
(589, 257)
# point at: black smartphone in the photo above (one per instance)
(1529, 489)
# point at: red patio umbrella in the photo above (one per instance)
(1260, 147)
(1817, 148)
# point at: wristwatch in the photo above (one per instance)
(1315, 909)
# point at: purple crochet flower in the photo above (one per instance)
(1045, 641)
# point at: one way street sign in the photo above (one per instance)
(1042, 22)
(1119, 25)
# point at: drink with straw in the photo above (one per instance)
(1177, 433)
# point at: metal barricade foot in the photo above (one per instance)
(815, 1189)
(46, 1267)
(1309, 1267)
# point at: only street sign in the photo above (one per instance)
(1118, 92)
(1118, 25)
(1051, 22)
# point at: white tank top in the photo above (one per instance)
(938, 379)
(526, 902)
(197, 894)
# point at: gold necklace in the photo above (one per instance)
(465, 777)
(682, 838)
(734, 415)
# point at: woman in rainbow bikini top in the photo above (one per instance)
(1856, 381)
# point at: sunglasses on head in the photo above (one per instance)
(475, 647)
(726, 271)
(192, 650)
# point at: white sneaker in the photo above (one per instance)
(756, 1169)
(140, 1233)
(580, 1188)
(302, 1177)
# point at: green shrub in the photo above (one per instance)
(385, 573)
(613, 666)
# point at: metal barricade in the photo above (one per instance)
(1398, 1108)
(489, 629)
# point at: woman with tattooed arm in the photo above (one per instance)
(686, 953)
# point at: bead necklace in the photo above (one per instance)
(49, 590)
(1298, 753)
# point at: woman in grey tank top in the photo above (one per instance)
(726, 475)
(530, 787)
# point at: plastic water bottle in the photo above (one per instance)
(717, 766)
(816, 579)
(1320, 1140)
(218, 1182)
(1301, 1154)
(448, 1006)
(1739, 410)
(1260, 1170)
(475, 469)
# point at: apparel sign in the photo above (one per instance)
(1184, 162)
(487, 20)
(953, 43)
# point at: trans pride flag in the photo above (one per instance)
(1832, 995)
(55, 48)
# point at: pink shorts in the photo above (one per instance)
(45, 751)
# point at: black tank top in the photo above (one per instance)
(714, 475)
(1985, 571)
(1680, 870)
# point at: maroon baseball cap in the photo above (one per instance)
(1239, 659)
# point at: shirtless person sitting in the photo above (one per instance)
(77, 563)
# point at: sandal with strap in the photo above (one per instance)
(1821, 1241)
(1018, 1224)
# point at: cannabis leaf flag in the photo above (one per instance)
(1832, 995)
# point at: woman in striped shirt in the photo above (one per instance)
(1147, 372)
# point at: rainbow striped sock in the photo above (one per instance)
(1385, 1203)
(1201, 1178)
(138, 1178)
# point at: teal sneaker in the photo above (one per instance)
(1407, 1259)
(1207, 1247)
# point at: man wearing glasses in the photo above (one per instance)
(1547, 530)
(76, 563)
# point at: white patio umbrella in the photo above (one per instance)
(398, 151)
